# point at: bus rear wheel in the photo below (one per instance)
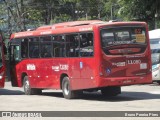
(27, 88)
(66, 88)
(111, 91)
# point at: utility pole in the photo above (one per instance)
(111, 12)
(9, 23)
(155, 17)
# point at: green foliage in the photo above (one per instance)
(136, 9)
(61, 18)
(19, 15)
(141, 10)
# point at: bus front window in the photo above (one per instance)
(15, 53)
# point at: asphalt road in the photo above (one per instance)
(133, 98)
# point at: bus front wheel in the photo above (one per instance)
(66, 88)
(27, 88)
(111, 91)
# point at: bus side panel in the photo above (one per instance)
(27, 67)
(37, 70)
(88, 72)
(74, 71)
(19, 69)
(42, 73)
(52, 76)
(86, 68)
(48, 72)
(85, 73)
(51, 71)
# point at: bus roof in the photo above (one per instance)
(70, 24)
(68, 27)
(153, 34)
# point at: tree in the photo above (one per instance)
(47, 8)
(25, 13)
(142, 10)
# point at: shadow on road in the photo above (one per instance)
(125, 96)
(96, 96)
(10, 92)
(53, 94)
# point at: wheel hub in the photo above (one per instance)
(66, 88)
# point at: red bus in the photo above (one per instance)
(2, 62)
(81, 55)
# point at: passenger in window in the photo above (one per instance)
(35, 53)
(90, 39)
(46, 51)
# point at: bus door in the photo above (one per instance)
(14, 57)
(2, 63)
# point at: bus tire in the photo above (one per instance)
(27, 88)
(66, 88)
(111, 91)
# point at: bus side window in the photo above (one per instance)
(86, 45)
(46, 47)
(34, 48)
(58, 46)
(24, 48)
(72, 45)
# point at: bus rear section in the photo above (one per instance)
(2, 62)
(125, 57)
